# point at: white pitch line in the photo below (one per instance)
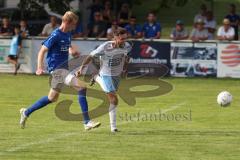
(48, 140)
(65, 135)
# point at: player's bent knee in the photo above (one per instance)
(113, 99)
(53, 95)
(53, 99)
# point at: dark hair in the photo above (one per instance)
(232, 5)
(151, 12)
(119, 32)
(17, 27)
(133, 17)
(25, 20)
(5, 17)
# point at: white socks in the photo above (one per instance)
(113, 116)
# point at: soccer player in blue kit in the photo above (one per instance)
(58, 47)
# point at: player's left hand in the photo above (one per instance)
(76, 54)
(74, 51)
(79, 72)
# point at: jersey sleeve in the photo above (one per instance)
(138, 28)
(50, 41)
(128, 48)
(99, 51)
(159, 28)
(44, 31)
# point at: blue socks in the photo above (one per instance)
(39, 104)
(84, 105)
(45, 101)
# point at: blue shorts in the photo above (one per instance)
(108, 83)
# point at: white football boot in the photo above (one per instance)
(23, 118)
(91, 125)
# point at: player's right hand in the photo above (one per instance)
(79, 72)
(39, 71)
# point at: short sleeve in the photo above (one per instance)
(186, 33)
(232, 33)
(50, 41)
(99, 51)
(193, 33)
(144, 27)
(128, 48)
(159, 27)
(219, 32)
(173, 33)
(138, 28)
(44, 31)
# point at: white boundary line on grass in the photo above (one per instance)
(65, 135)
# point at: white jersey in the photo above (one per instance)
(111, 59)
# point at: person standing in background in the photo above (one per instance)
(48, 28)
(24, 28)
(134, 30)
(234, 19)
(210, 25)
(15, 47)
(151, 28)
(6, 28)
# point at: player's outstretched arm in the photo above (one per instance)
(74, 51)
(85, 62)
(41, 53)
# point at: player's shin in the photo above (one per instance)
(39, 104)
(113, 116)
(84, 104)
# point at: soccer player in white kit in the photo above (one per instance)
(113, 57)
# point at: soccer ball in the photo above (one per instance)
(224, 98)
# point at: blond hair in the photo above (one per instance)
(69, 16)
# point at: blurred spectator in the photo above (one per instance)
(6, 29)
(98, 27)
(134, 30)
(48, 28)
(201, 15)
(15, 46)
(78, 32)
(199, 33)
(113, 29)
(108, 13)
(226, 32)
(96, 6)
(210, 24)
(234, 19)
(124, 15)
(24, 28)
(151, 28)
(179, 32)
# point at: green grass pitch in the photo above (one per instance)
(211, 133)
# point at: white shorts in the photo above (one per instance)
(108, 83)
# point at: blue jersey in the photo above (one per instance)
(15, 43)
(151, 31)
(58, 44)
(233, 18)
(133, 30)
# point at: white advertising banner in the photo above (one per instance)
(228, 60)
(194, 59)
